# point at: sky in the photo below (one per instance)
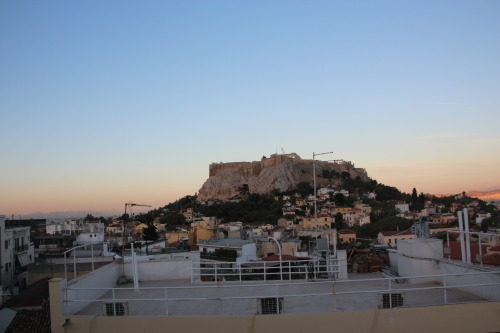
(106, 102)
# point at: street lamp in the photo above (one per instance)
(314, 177)
(281, 258)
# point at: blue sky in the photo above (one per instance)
(103, 102)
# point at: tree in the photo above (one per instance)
(304, 189)
(414, 195)
(340, 199)
(491, 222)
(339, 221)
(173, 219)
(149, 233)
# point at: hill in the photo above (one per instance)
(281, 172)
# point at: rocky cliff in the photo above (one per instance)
(280, 171)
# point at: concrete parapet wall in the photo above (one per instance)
(462, 318)
(104, 277)
(163, 270)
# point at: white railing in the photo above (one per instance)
(479, 258)
(214, 271)
(296, 297)
(74, 251)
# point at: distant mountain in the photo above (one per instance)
(69, 214)
(483, 195)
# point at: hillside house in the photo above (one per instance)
(346, 236)
(402, 206)
(321, 221)
(246, 250)
(391, 238)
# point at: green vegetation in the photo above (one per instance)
(371, 230)
(491, 222)
(257, 208)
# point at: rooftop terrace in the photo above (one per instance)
(360, 292)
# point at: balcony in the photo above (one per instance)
(21, 248)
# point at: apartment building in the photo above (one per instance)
(16, 252)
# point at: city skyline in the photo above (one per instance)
(104, 103)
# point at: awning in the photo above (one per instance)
(24, 259)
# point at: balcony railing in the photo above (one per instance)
(226, 299)
(21, 248)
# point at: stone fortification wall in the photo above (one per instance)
(247, 169)
(251, 169)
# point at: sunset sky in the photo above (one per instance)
(106, 102)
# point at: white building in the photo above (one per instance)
(402, 206)
(68, 227)
(91, 233)
(246, 250)
(16, 252)
(481, 216)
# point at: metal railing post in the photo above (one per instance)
(92, 251)
(480, 251)
(166, 302)
(390, 293)
(334, 297)
(65, 267)
(74, 264)
(448, 242)
(265, 271)
(445, 290)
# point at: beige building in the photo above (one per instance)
(266, 248)
(320, 222)
(346, 236)
(391, 238)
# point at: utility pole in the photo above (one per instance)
(314, 177)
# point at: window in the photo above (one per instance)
(391, 300)
(115, 309)
(271, 305)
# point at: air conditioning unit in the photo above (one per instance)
(271, 305)
(115, 309)
(391, 300)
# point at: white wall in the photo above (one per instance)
(161, 270)
(342, 261)
(417, 257)
(104, 277)
(248, 253)
(457, 267)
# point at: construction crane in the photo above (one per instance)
(130, 205)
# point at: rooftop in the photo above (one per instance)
(360, 292)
